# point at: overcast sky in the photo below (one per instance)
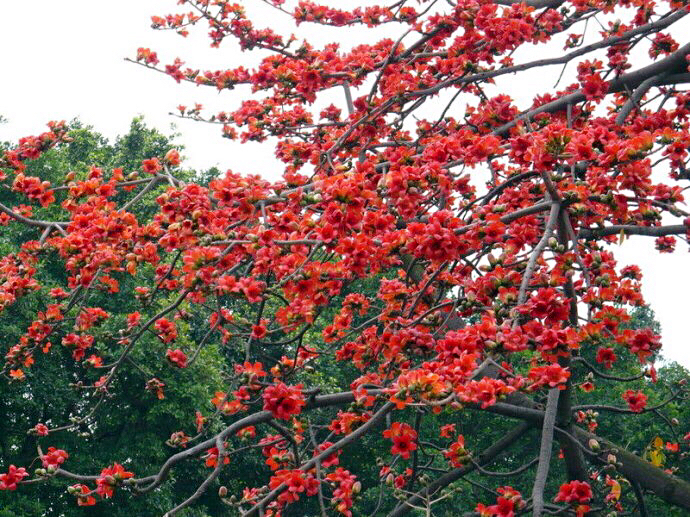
(65, 59)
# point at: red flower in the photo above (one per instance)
(328, 461)
(665, 244)
(283, 401)
(166, 329)
(547, 304)
(13, 476)
(296, 482)
(672, 447)
(636, 400)
(54, 458)
(177, 357)
(41, 430)
(447, 431)
(109, 478)
(552, 375)
(17, 375)
(133, 320)
(643, 343)
(587, 386)
(151, 166)
(172, 157)
(258, 332)
(574, 492)
(456, 454)
(507, 502)
(606, 357)
(212, 457)
(403, 438)
(82, 498)
(94, 361)
(595, 87)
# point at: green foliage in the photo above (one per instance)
(127, 429)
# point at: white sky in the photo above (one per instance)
(65, 59)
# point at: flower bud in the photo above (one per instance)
(222, 491)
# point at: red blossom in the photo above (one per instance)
(54, 458)
(41, 430)
(574, 492)
(403, 437)
(111, 477)
(83, 495)
(12, 478)
(636, 400)
(177, 357)
(151, 166)
(606, 357)
(283, 401)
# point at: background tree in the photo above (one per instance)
(438, 288)
(130, 426)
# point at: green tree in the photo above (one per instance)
(133, 425)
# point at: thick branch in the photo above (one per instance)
(631, 229)
(545, 452)
(674, 64)
(666, 486)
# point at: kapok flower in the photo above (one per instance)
(82, 499)
(456, 454)
(177, 357)
(403, 438)
(574, 492)
(151, 166)
(166, 330)
(40, 430)
(54, 458)
(109, 478)
(284, 401)
(12, 478)
(636, 400)
(606, 357)
(172, 157)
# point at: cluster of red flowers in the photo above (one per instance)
(296, 482)
(483, 237)
(54, 458)
(577, 493)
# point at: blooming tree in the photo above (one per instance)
(488, 231)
